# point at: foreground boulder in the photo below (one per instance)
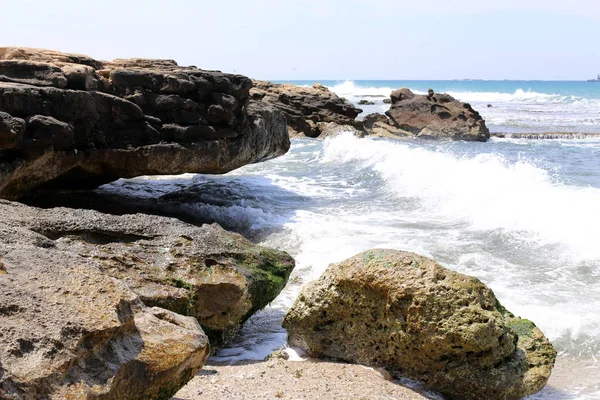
(69, 331)
(419, 320)
(218, 277)
(67, 120)
(436, 116)
(308, 110)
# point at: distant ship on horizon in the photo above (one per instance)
(595, 80)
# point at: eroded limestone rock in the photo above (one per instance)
(436, 116)
(419, 320)
(306, 108)
(69, 331)
(101, 121)
(205, 272)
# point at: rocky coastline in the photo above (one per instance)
(95, 305)
(116, 301)
(317, 112)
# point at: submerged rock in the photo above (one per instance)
(436, 116)
(305, 107)
(366, 103)
(419, 320)
(67, 120)
(70, 331)
(218, 277)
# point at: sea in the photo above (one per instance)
(522, 215)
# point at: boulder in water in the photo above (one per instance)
(419, 320)
(436, 116)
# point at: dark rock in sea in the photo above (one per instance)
(204, 272)
(67, 120)
(490, 106)
(71, 331)
(436, 116)
(387, 101)
(365, 103)
(305, 107)
(419, 320)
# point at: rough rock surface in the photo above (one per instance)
(67, 120)
(417, 319)
(69, 331)
(379, 125)
(436, 116)
(205, 272)
(305, 107)
(331, 129)
(277, 378)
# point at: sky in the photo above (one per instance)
(325, 39)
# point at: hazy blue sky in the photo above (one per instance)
(325, 39)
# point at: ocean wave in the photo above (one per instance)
(519, 96)
(352, 90)
(511, 223)
(486, 190)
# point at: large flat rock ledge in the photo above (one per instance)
(69, 121)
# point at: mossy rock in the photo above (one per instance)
(419, 320)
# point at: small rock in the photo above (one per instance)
(365, 103)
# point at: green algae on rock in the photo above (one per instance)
(218, 277)
(406, 313)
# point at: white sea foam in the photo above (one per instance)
(514, 222)
(519, 96)
(350, 90)
(486, 191)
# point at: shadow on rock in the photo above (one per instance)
(251, 206)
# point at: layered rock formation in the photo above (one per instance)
(436, 116)
(205, 272)
(417, 319)
(68, 120)
(307, 109)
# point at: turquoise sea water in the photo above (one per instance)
(582, 89)
(521, 215)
